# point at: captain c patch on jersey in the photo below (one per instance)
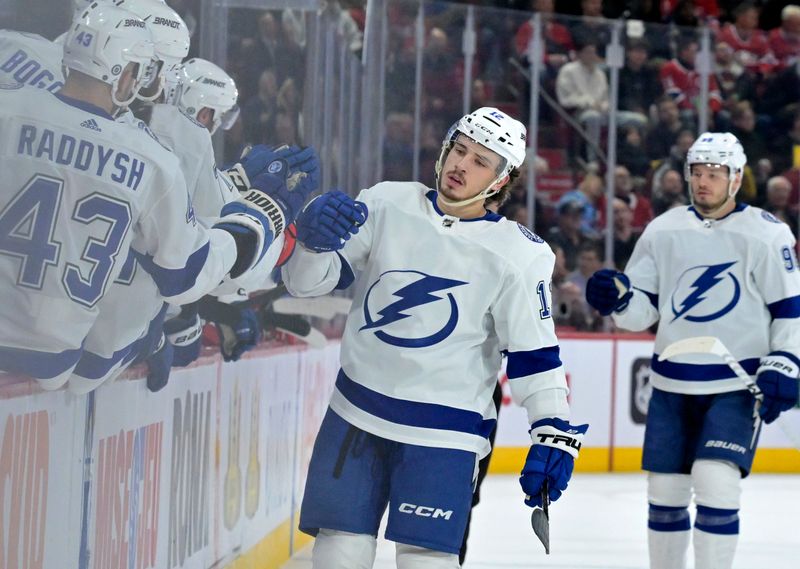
(410, 309)
(705, 293)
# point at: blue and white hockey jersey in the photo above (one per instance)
(735, 278)
(80, 189)
(133, 300)
(30, 59)
(437, 301)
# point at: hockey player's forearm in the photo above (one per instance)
(639, 315)
(547, 403)
(311, 274)
(785, 336)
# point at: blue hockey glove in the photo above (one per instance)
(258, 159)
(185, 334)
(777, 379)
(608, 291)
(240, 338)
(158, 365)
(555, 446)
(329, 220)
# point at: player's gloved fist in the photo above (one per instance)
(185, 334)
(240, 338)
(261, 158)
(329, 220)
(608, 291)
(555, 446)
(254, 221)
(158, 365)
(777, 379)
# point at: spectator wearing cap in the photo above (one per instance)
(587, 194)
(567, 233)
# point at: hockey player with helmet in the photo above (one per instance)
(83, 189)
(715, 268)
(134, 299)
(445, 288)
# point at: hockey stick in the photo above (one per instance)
(714, 346)
(540, 518)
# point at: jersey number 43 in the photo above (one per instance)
(27, 233)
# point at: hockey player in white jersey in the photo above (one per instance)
(81, 189)
(715, 268)
(445, 288)
(132, 313)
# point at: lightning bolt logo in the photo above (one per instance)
(418, 293)
(708, 279)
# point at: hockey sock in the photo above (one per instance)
(668, 536)
(343, 550)
(412, 557)
(716, 527)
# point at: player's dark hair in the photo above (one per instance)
(502, 196)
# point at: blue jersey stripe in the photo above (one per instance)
(521, 364)
(413, 413)
(785, 308)
(700, 372)
(175, 281)
(41, 365)
(346, 274)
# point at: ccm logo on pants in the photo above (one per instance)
(424, 511)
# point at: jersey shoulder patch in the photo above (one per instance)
(769, 217)
(529, 234)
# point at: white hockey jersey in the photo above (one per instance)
(735, 278)
(30, 59)
(79, 190)
(437, 302)
(134, 300)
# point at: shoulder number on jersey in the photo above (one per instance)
(544, 305)
(789, 258)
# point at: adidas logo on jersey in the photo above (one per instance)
(91, 124)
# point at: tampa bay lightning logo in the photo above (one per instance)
(394, 296)
(705, 293)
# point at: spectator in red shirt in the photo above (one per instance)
(785, 40)
(557, 39)
(640, 205)
(749, 44)
(682, 82)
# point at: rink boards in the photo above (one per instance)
(209, 472)
(608, 376)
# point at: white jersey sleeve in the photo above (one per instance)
(30, 59)
(642, 270)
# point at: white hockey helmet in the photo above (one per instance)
(718, 148)
(496, 131)
(103, 41)
(200, 84)
(170, 35)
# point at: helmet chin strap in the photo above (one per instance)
(485, 194)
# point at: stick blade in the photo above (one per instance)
(541, 527)
(696, 345)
